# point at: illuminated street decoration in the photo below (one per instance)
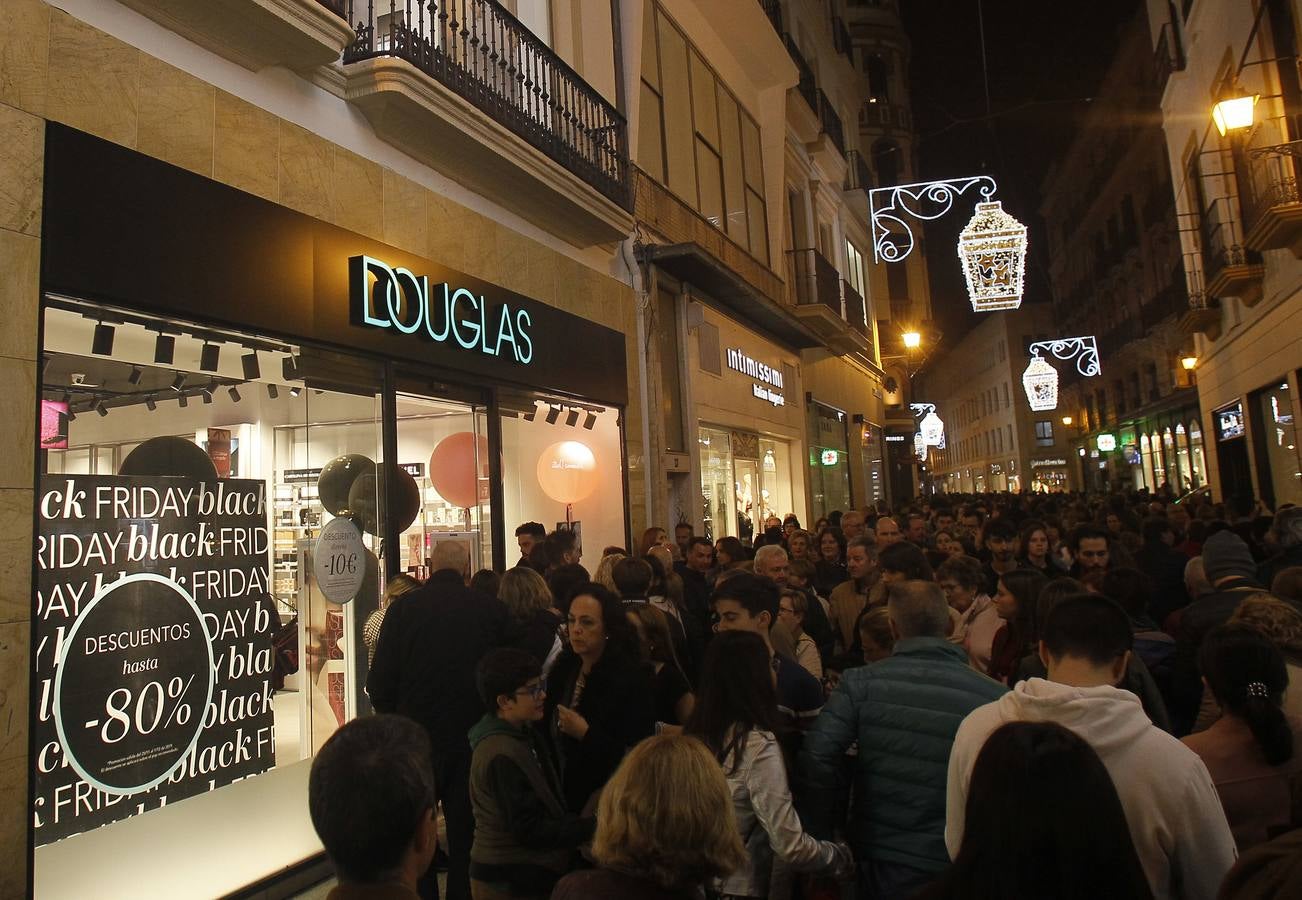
(931, 428)
(992, 249)
(1040, 380)
(890, 207)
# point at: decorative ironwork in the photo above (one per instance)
(477, 49)
(1083, 350)
(920, 409)
(807, 86)
(889, 208)
(931, 428)
(336, 6)
(831, 122)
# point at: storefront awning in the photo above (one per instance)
(713, 281)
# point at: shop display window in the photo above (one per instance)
(1277, 433)
(562, 465)
(1196, 463)
(721, 518)
(745, 479)
(209, 549)
(1182, 458)
(829, 462)
(1159, 461)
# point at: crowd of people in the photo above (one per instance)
(979, 697)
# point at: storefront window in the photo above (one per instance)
(1277, 434)
(721, 517)
(1182, 458)
(1196, 463)
(1159, 464)
(211, 535)
(563, 463)
(775, 480)
(829, 462)
(1168, 453)
(874, 467)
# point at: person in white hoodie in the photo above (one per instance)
(1171, 805)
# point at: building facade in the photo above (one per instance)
(1237, 201)
(1116, 274)
(993, 440)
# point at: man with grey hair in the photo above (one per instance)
(903, 711)
(771, 562)
(1286, 535)
(430, 643)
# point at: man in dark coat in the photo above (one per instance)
(1233, 575)
(431, 641)
(1286, 535)
(1164, 565)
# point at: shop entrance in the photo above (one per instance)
(1232, 463)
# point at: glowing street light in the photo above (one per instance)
(1189, 362)
(1066, 420)
(912, 340)
(1234, 113)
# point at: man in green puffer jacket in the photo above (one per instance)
(903, 711)
(525, 840)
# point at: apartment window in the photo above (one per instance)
(1044, 433)
(854, 270)
(1150, 376)
(1006, 401)
(879, 78)
(697, 140)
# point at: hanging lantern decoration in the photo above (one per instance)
(919, 447)
(992, 249)
(932, 430)
(1041, 383)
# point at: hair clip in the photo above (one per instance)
(1257, 689)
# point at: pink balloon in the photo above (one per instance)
(452, 468)
(567, 471)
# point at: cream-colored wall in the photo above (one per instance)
(727, 400)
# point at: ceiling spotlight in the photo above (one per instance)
(135, 376)
(591, 421)
(209, 356)
(207, 394)
(178, 382)
(572, 418)
(101, 408)
(295, 391)
(272, 391)
(164, 349)
(235, 393)
(251, 368)
(529, 416)
(184, 401)
(553, 413)
(150, 403)
(102, 344)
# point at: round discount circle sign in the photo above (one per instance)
(339, 561)
(134, 681)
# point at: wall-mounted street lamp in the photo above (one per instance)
(1189, 363)
(1234, 111)
(1067, 420)
(912, 340)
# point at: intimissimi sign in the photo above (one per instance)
(765, 375)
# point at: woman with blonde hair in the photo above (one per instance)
(665, 827)
(533, 625)
(400, 585)
(603, 576)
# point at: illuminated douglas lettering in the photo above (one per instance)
(397, 299)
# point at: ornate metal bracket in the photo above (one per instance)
(1083, 350)
(921, 409)
(889, 207)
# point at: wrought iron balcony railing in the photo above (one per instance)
(857, 174)
(1168, 57)
(808, 85)
(831, 122)
(816, 279)
(478, 50)
(773, 9)
(338, 7)
(1222, 241)
(855, 312)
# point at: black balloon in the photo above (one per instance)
(366, 499)
(337, 478)
(169, 456)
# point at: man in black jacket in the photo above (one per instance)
(1164, 565)
(431, 641)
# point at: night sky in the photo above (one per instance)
(1045, 59)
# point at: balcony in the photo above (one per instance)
(773, 9)
(257, 34)
(1272, 207)
(1168, 56)
(1230, 269)
(1203, 316)
(841, 41)
(1171, 300)
(816, 286)
(469, 90)
(877, 114)
(856, 315)
(831, 122)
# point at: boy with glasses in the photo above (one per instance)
(524, 838)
